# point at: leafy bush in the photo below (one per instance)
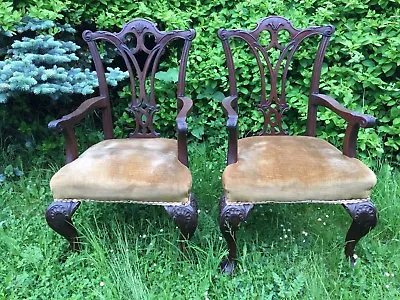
(360, 71)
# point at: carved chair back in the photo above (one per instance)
(141, 46)
(273, 102)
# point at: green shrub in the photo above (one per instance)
(360, 71)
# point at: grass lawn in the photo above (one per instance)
(131, 251)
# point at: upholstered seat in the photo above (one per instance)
(143, 170)
(295, 169)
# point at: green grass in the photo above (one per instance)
(130, 251)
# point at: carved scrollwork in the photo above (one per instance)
(58, 217)
(363, 213)
(144, 121)
(66, 209)
(185, 216)
(142, 47)
(273, 118)
(364, 217)
(232, 215)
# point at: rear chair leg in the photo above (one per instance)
(185, 217)
(229, 220)
(364, 216)
(58, 217)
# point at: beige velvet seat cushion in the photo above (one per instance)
(134, 170)
(295, 169)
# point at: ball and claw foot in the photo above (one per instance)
(364, 217)
(58, 217)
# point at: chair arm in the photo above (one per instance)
(182, 114)
(363, 120)
(232, 114)
(70, 120)
(182, 129)
(354, 120)
(231, 125)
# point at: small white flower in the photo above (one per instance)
(289, 230)
(285, 236)
(154, 265)
(319, 219)
(304, 241)
(387, 274)
(161, 230)
(304, 233)
(144, 236)
(324, 223)
(281, 225)
(387, 286)
(284, 229)
(219, 177)
(327, 216)
(280, 238)
(392, 275)
(101, 283)
(112, 250)
(198, 211)
(355, 256)
(220, 238)
(205, 293)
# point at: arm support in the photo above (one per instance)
(354, 121)
(67, 123)
(70, 120)
(364, 121)
(182, 128)
(228, 105)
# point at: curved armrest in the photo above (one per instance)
(182, 114)
(365, 121)
(182, 129)
(232, 114)
(70, 120)
(231, 125)
(354, 120)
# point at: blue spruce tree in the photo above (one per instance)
(42, 64)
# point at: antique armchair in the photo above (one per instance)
(275, 167)
(144, 168)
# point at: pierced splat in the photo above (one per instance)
(273, 43)
(141, 46)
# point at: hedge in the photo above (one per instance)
(361, 67)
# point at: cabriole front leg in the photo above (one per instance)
(229, 220)
(58, 217)
(185, 217)
(364, 216)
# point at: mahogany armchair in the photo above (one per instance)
(144, 168)
(276, 168)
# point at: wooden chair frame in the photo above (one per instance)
(143, 107)
(364, 214)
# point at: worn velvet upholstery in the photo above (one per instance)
(295, 169)
(134, 170)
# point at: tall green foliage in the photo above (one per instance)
(361, 66)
